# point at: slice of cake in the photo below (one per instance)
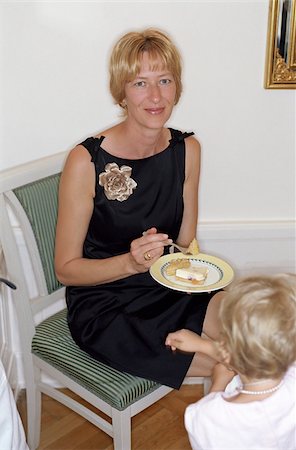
(175, 264)
(193, 247)
(194, 275)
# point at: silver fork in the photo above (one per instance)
(178, 247)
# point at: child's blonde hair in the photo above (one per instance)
(125, 61)
(258, 316)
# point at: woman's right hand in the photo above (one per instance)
(144, 251)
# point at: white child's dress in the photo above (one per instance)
(214, 423)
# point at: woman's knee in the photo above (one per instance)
(211, 326)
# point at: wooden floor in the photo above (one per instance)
(159, 427)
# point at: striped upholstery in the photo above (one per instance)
(40, 202)
(54, 344)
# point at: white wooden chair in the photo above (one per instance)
(29, 194)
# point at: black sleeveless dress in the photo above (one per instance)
(124, 323)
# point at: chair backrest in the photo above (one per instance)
(39, 200)
(28, 212)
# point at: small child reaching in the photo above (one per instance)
(258, 342)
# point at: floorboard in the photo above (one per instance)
(159, 427)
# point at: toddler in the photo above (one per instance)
(258, 343)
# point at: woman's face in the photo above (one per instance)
(150, 97)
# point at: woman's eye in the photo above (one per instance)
(165, 81)
(140, 83)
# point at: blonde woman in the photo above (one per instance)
(125, 194)
(258, 342)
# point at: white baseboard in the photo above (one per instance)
(251, 247)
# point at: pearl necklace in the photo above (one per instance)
(241, 390)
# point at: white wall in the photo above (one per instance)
(54, 92)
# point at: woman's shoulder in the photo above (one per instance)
(92, 142)
(78, 163)
(191, 142)
(78, 154)
(86, 150)
(180, 135)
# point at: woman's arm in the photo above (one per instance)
(190, 192)
(76, 196)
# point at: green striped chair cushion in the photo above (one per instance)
(53, 343)
(40, 202)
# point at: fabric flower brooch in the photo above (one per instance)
(117, 182)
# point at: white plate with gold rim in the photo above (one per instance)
(220, 273)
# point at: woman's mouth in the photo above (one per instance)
(154, 111)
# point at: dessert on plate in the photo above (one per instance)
(183, 270)
(176, 264)
(193, 274)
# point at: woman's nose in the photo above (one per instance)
(154, 93)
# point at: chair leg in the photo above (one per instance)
(121, 421)
(33, 414)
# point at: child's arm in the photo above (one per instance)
(221, 376)
(189, 341)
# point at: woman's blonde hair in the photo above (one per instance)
(258, 316)
(125, 60)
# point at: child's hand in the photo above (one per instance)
(185, 340)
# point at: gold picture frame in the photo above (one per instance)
(280, 68)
